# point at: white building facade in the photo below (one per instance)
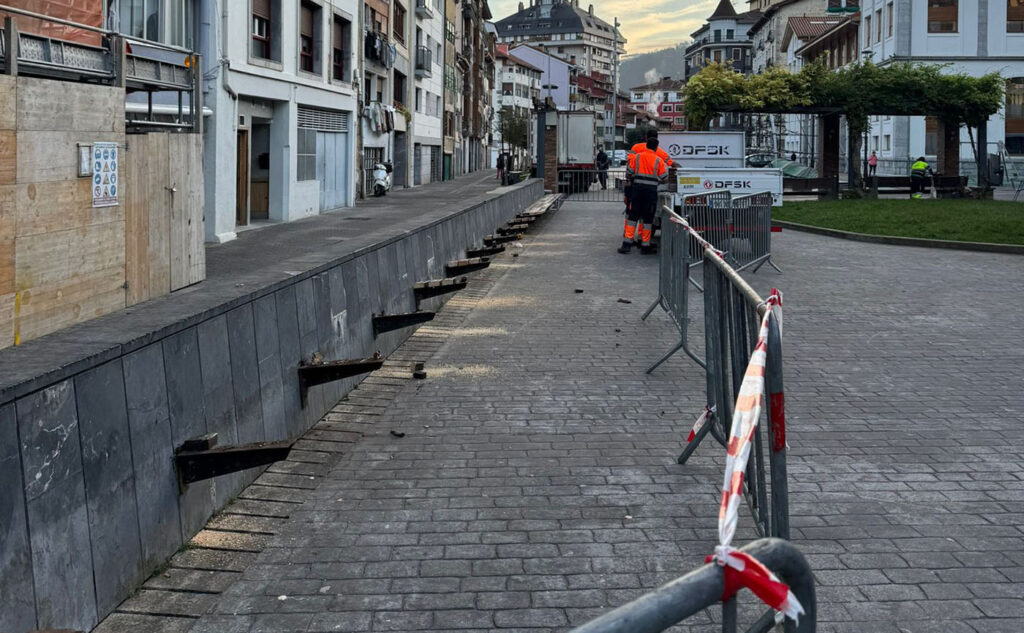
(516, 86)
(428, 70)
(974, 37)
(281, 142)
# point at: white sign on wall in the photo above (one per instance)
(738, 181)
(698, 150)
(105, 181)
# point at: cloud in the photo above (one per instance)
(647, 26)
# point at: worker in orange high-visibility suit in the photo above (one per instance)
(642, 147)
(646, 170)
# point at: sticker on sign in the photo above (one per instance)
(737, 181)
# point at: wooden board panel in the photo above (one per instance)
(152, 158)
(53, 156)
(82, 107)
(49, 207)
(187, 256)
(8, 157)
(7, 227)
(7, 320)
(8, 102)
(135, 186)
(44, 309)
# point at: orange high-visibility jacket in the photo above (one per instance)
(647, 168)
(642, 147)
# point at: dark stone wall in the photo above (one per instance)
(89, 505)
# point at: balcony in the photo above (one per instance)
(424, 61)
(423, 9)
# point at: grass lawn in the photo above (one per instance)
(960, 220)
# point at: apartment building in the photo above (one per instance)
(428, 71)
(452, 103)
(578, 36)
(280, 143)
(475, 63)
(516, 87)
(723, 39)
(957, 33)
(766, 34)
(663, 99)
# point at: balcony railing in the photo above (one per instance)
(423, 9)
(424, 61)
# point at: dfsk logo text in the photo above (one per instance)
(727, 184)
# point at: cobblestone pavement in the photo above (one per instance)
(535, 485)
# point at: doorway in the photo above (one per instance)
(242, 179)
(259, 180)
(400, 175)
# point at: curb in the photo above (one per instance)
(983, 247)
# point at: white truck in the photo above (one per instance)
(577, 138)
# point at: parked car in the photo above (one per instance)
(759, 159)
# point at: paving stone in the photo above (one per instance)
(534, 437)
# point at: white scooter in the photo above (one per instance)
(382, 178)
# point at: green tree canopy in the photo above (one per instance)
(857, 90)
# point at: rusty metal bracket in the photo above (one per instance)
(491, 240)
(320, 373)
(486, 251)
(200, 458)
(436, 287)
(512, 229)
(387, 322)
(460, 266)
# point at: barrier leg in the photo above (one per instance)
(766, 260)
(692, 445)
(654, 305)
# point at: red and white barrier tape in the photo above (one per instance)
(742, 570)
(699, 424)
(696, 234)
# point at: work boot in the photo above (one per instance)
(648, 250)
(626, 246)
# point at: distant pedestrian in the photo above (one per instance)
(602, 168)
(501, 168)
(872, 164)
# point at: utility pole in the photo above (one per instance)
(615, 78)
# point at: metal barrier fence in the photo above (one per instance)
(743, 370)
(709, 213)
(674, 260)
(750, 239)
(593, 185)
(686, 596)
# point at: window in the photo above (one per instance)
(342, 36)
(718, 56)
(1015, 115)
(943, 16)
(437, 105)
(401, 87)
(306, 156)
(888, 142)
(165, 21)
(1015, 16)
(367, 88)
(419, 100)
(680, 120)
(265, 21)
(878, 25)
(398, 24)
(737, 54)
(867, 30)
(309, 37)
(667, 108)
(718, 35)
(728, 34)
(638, 96)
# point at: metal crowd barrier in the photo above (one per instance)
(586, 184)
(686, 596)
(733, 312)
(673, 275)
(750, 240)
(709, 213)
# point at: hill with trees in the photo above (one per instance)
(645, 68)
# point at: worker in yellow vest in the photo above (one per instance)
(919, 171)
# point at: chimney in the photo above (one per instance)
(590, 10)
(521, 6)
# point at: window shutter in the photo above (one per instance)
(306, 25)
(261, 8)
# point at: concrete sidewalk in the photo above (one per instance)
(535, 485)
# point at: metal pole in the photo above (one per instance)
(615, 78)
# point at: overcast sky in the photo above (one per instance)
(647, 24)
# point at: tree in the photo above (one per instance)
(638, 134)
(514, 126)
